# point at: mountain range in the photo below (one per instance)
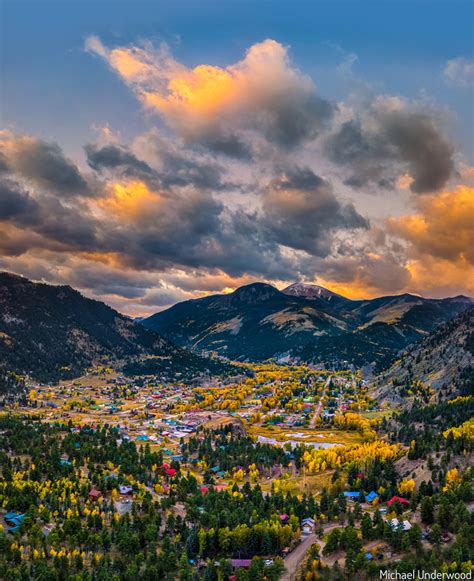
(53, 331)
(304, 322)
(50, 331)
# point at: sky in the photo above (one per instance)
(153, 152)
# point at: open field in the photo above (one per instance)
(307, 436)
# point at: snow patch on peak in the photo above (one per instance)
(309, 291)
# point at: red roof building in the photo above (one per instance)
(399, 498)
(95, 494)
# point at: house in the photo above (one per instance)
(372, 497)
(95, 494)
(237, 563)
(125, 490)
(307, 526)
(396, 524)
(352, 496)
(400, 499)
(14, 520)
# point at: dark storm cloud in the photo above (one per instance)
(375, 150)
(302, 212)
(108, 281)
(286, 120)
(295, 118)
(421, 145)
(14, 203)
(228, 144)
(45, 165)
(72, 226)
(176, 168)
(115, 157)
(181, 171)
(45, 216)
(3, 163)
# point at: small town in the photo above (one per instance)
(303, 450)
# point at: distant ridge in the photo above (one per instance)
(303, 323)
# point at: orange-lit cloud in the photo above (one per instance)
(442, 227)
(356, 289)
(440, 237)
(261, 92)
(130, 201)
(437, 277)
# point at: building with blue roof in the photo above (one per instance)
(372, 497)
(14, 520)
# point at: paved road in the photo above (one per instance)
(317, 413)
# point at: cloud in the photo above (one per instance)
(155, 231)
(229, 189)
(302, 212)
(41, 163)
(440, 242)
(46, 216)
(442, 227)
(15, 203)
(218, 107)
(389, 139)
(116, 157)
(459, 72)
(367, 275)
(157, 161)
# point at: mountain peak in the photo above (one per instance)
(255, 292)
(310, 291)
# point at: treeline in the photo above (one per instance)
(421, 427)
(228, 449)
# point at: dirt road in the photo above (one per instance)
(295, 558)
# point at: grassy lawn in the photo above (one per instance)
(377, 415)
(312, 483)
(283, 434)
